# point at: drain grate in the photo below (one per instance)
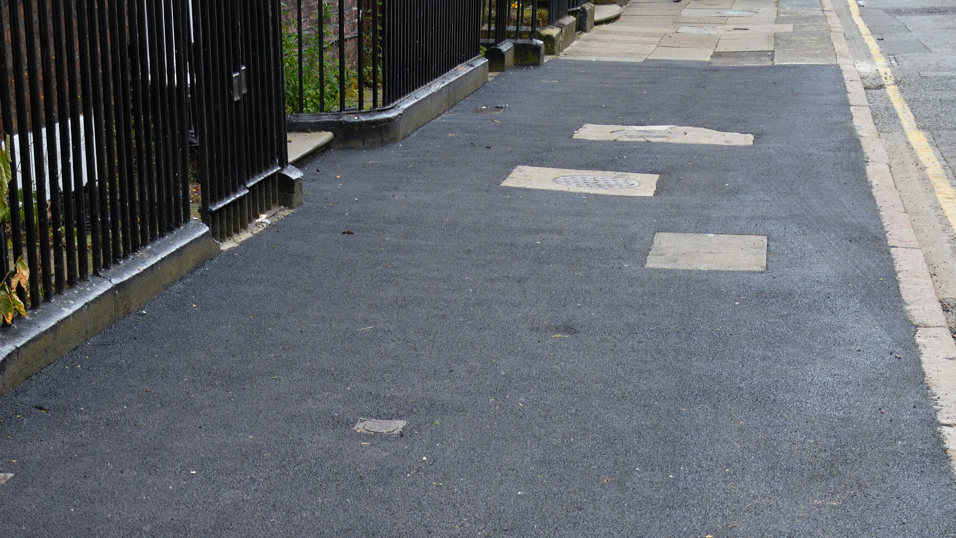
(736, 13)
(596, 182)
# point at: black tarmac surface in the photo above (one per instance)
(552, 385)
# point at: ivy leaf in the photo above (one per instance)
(21, 274)
(6, 175)
(10, 304)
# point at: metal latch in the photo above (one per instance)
(240, 84)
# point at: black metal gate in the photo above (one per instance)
(241, 110)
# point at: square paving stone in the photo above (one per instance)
(583, 181)
(745, 42)
(673, 134)
(674, 53)
(700, 41)
(757, 57)
(708, 252)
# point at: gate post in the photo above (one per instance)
(290, 187)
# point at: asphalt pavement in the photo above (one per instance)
(552, 384)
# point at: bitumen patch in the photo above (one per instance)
(551, 384)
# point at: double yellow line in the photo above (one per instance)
(924, 151)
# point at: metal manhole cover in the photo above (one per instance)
(596, 182)
(736, 13)
(493, 109)
(388, 427)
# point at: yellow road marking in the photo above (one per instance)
(937, 176)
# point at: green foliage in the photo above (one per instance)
(314, 64)
(369, 45)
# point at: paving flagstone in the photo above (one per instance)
(742, 26)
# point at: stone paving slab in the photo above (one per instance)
(708, 252)
(739, 58)
(713, 18)
(689, 41)
(628, 38)
(606, 13)
(701, 20)
(737, 42)
(682, 54)
(609, 51)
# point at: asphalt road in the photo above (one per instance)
(916, 38)
(552, 384)
(919, 39)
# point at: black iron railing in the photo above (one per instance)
(558, 9)
(510, 19)
(97, 128)
(100, 97)
(352, 55)
(520, 19)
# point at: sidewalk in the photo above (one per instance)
(722, 32)
(655, 332)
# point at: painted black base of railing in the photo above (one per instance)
(380, 127)
(56, 328)
(277, 186)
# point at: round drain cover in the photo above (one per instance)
(596, 182)
(736, 13)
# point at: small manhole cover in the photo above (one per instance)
(493, 109)
(596, 182)
(388, 427)
(736, 13)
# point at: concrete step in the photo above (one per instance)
(607, 13)
(302, 145)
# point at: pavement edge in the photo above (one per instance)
(91, 306)
(935, 341)
(379, 128)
